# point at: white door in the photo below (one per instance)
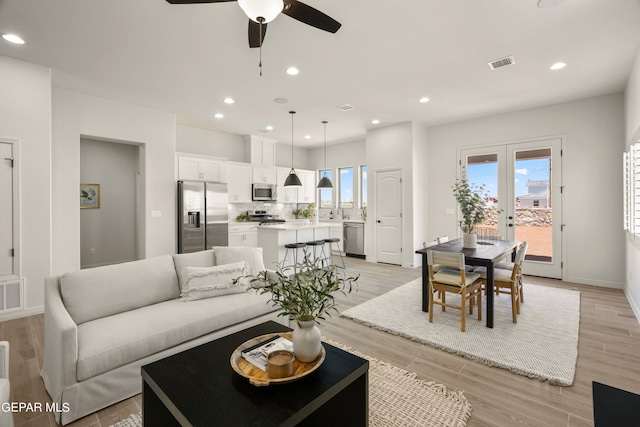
(389, 216)
(525, 181)
(6, 209)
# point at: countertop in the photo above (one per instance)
(297, 226)
(341, 221)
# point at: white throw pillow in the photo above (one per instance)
(206, 282)
(252, 256)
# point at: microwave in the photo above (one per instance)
(264, 192)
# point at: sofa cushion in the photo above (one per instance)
(228, 255)
(206, 282)
(103, 291)
(193, 259)
(109, 342)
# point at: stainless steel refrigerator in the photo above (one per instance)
(203, 219)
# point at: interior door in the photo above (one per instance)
(389, 216)
(525, 181)
(6, 209)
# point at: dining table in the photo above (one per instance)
(485, 254)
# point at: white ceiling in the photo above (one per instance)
(187, 58)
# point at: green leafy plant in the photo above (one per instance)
(304, 212)
(472, 201)
(307, 295)
(243, 217)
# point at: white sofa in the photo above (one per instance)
(6, 417)
(103, 324)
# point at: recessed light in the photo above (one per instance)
(218, 115)
(269, 127)
(293, 71)
(375, 121)
(307, 137)
(229, 100)
(13, 38)
(423, 100)
(558, 66)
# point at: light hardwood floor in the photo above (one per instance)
(608, 352)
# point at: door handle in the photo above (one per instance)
(378, 221)
(510, 225)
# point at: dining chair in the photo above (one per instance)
(508, 280)
(458, 281)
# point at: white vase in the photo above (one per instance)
(469, 241)
(306, 340)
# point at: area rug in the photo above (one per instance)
(543, 344)
(396, 399)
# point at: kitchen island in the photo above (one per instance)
(272, 238)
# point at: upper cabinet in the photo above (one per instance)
(260, 151)
(264, 175)
(307, 193)
(239, 182)
(285, 194)
(193, 168)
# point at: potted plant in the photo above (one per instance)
(472, 201)
(307, 296)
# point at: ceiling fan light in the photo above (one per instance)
(325, 182)
(292, 180)
(266, 9)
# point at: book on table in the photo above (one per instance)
(257, 354)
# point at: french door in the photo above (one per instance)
(524, 181)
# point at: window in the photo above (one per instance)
(363, 186)
(326, 194)
(345, 189)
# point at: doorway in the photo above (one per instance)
(8, 208)
(389, 216)
(524, 180)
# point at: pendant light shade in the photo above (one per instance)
(267, 10)
(325, 182)
(292, 179)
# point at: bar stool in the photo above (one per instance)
(320, 259)
(336, 241)
(294, 247)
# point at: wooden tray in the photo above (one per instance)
(258, 377)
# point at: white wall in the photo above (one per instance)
(209, 143)
(25, 115)
(300, 157)
(632, 126)
(76, 115)
(594, 141)
(420, 195)
(387, 148)
(109, 230)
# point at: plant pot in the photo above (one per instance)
(469, 241)
(306, 341)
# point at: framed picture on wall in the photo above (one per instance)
(89, 196)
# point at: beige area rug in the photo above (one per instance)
(396, 399)
(543, 344)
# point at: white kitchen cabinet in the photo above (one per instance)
(200, 169)
(239, 182)
(264, 175)
(285, 194)
(260, 151)
(243, 235)
(307, 193)
(337, 231)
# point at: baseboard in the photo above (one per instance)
(632, 303)
(586, 281)
(21, 313)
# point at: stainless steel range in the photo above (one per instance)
(265, 218)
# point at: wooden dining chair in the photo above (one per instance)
(508, 265)
(458, 281)
(508, 281)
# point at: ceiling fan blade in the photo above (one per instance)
(310, 16)
(196, 1)
(254, 33)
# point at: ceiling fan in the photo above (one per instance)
(261, 12)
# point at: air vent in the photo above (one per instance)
(345, 107)
(502, 62)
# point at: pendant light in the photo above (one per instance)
(292, 180)
(325, 182)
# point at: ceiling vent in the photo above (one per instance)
(345, 107)
(502, 62)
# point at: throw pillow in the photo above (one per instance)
(206, 282)
(252, 256)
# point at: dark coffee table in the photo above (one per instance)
(198, 387)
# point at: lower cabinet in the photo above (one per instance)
(336, 231)
(243, 236)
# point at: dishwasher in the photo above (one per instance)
(354, 239)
